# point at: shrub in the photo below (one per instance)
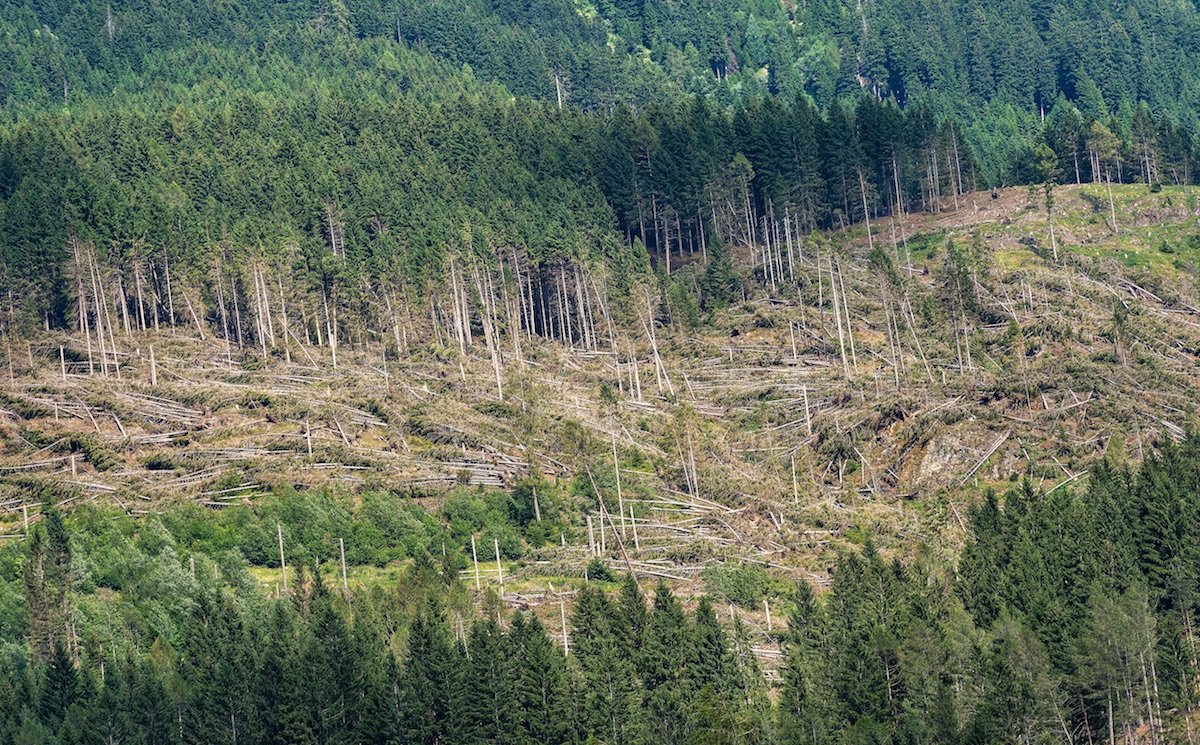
(158, 462)
(598, 571)
(745, 585)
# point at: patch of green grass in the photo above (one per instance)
(924, 245)
(358, 577)
(1156, 231)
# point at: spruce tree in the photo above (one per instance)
(60, 688)
(666, 661)
(543, 687)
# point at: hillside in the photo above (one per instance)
(454, 372)
(741, 456)
(969, 355)
(999, 72)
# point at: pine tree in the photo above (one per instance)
(632, 616)
(491, 712)
(612, 696)
(542, 685)
(713, 662)
(60, 688)
(429, 683)
(216, 665)
(48, 583)
(666, 659)
(329, 657)
(796, 709)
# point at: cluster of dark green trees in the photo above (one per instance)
(959, 56)
(364, 197)
(358, 146)
(1069, 617)
(354, 147)
(335, 187)
(395, 664)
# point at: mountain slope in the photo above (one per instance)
(867, 396)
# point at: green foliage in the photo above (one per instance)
(155, 159)
(158, 462)
(1061, 602)
(489, 513)
(123, 129)
(746, 584)
(94, 451)
(387, 528)
(399, 134)
(718, 282)
(682, 301)
(598, 571)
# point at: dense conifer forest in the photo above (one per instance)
(388, 134)
(1070, 616)
(877, 319)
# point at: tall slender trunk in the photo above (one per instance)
(237, 313)
(849, 325)
(99, 314)
(837, 312)
(581, 304)
(170, 295)
(283, 317)
(124, 301)
(82, 303)
(862, 188)
(137, 280)
(489, 333)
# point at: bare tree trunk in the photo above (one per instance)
(862, 189)
(542, 303)
(837, 313)
(581, 304)
(648, 325)
(787, 232)
(512, 313)
(849, 325)
(120, 295)
(395, 322)
(224, 314)
(489, 334)
(260, 317)
(112, 339)
(1112, 735)
(81, 303)
(329, 328)
(564, 308)
(192, 313)
(957, 161)
(99, 313)
(137, 280)
(953, 183)
(637, 376)
(458, 309)
(1112, 207)
(237, 313)
(287, 348)
(170, 295)
(265, 303)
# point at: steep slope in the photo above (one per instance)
(876, 395)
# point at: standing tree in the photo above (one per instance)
(1047, 169)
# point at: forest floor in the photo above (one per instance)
(751, 440)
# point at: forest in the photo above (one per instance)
(324, 320)
(360, 149)
(1069, 618)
